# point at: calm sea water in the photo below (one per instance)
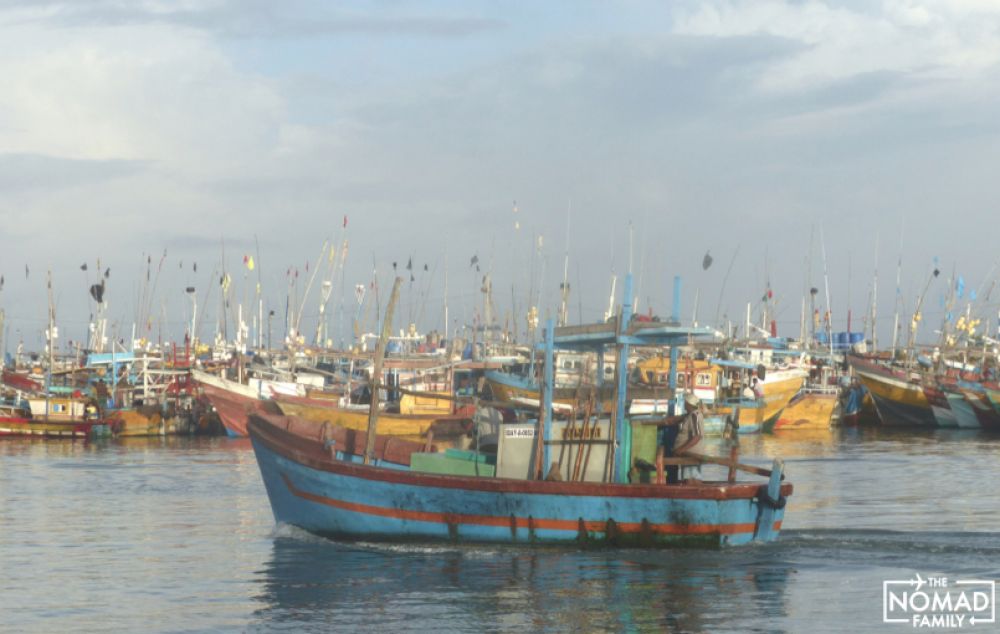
(176, 535)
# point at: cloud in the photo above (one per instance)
(730, 125)
(932, 38)
(146, 93)
(20, 173)
(253, 18)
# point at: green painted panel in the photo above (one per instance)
(644, 443)
(444, 464)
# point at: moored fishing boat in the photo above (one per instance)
(961, 409)
(515, 388)
(412, 427)
(149, 422)
(18, 422)
(723, 386)
(13, 426)
(982, 407)
(233, 400)
(811, 408)
(818, 404)
(779, 386)
(899, 396)
(940, 406)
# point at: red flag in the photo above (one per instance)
(345, 221)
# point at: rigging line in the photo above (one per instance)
(718, 306)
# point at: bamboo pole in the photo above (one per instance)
(377, 371)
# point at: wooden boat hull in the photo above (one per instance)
(992, 392)
(413, 404)
(751, 418)
(940, 406)
(412, 427)
(809, 410)
(231, 407)
(964, 414)
(779, 390)
(10, 426)
(506, 387)
(58, 409)
(897, 401)
(310, 489)
(127, 423)
(982, 407)
(759, 415)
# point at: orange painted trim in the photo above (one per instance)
(520, 522)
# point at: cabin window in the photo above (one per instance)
(704, 379)
(682, 380)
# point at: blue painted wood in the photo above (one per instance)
(621, 466)
(513, 380)
(599, 405)
(675, 315)
(373, 503)
(549, 386)
(769, 514)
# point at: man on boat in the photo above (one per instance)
(690, 430)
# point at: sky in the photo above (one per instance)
(802, 144)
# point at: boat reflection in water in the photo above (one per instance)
(311, 584)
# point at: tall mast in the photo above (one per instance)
(826, 283)
(222, 296)
(564, 287)
(809, 287)
(51, 336)
(915, 320)
(899, 298)
(305, 295)
(875, 298)
(446, 294)
(260, 299)
(850, 272)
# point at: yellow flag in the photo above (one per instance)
(250, 262)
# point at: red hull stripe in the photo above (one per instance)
(520, 522)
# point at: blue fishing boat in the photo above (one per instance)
(361, 485)
(313, 485)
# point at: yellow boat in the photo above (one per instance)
(404, 426)
(720, 386)
(512, 388)
(810, 409)
(135, 422)
(429, 404)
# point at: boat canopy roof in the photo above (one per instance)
(596, 336)
(730, 363)
(106, 358)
